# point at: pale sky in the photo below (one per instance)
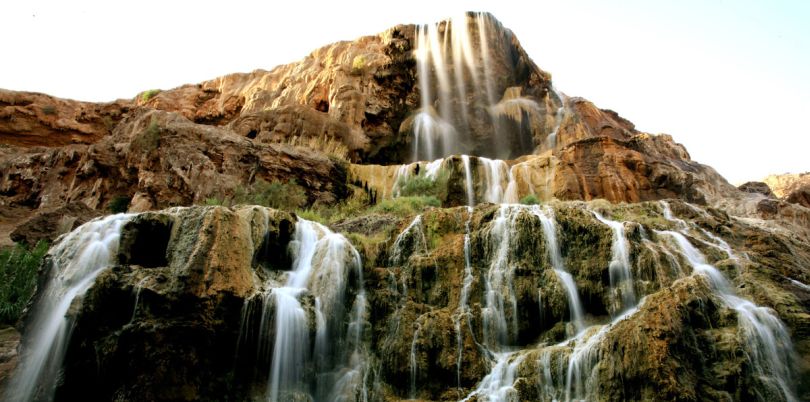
(728, 79)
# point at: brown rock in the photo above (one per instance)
(32, 119)
(49, 225)
(756, 187)
(800, 196)
(783, 184)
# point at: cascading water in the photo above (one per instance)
(551, 140)
(550, 231)
(621, 274)
(500, 312)
(323, 262)
(77, 260)
(463, 308)
(498, 385)
(468, 180)
(767, 340)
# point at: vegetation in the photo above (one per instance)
(286, 196)
(530, 199)
(149, 94)
(276, 194)
(18, 278)
(149, 139)
(403, 206)
(119, 204)
(358, 65)
(421, 185)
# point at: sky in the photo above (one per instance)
(728, 79)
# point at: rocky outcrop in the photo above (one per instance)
(169, 313)
(756, 187)
(641, 168)
(47, 226)
(784, 184)
(800, 196)
(31, 119)
(160, 159)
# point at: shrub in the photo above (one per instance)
(119, 204)
(49, 109)
(358, 65)
(287, 196)
(18, 278)
(149, 94)
(149, 139)
(421, 185)
(214, 201)
(530, 199)
(404, 206)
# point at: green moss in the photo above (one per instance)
(149, 94)
(530, 199)
(18, 278)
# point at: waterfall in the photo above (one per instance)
(77, 259)
(322, 264)
(463, 309)
(498, 385)
(621, 275)
(550, 231)
(413, 364)
(468, 180)
(495, 173)
(767, 340)
(558, 119)
(499, 314)
(448, 59)
(409, 240)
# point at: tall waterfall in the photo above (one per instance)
(454, 58)
(76, 261)
(315, 294)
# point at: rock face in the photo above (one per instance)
(784, 184)
(48, 226)
(756, 187)
(800, 196)
(31, 119)
(160, 159)
(165, 322)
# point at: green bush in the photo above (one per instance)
(287, 196)
(148, 139)
(358, 65)
(404, 206)
(119, 204)
(149, 94)
(422, 185)
(530, 199)
(214, 201)
(18, 278)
